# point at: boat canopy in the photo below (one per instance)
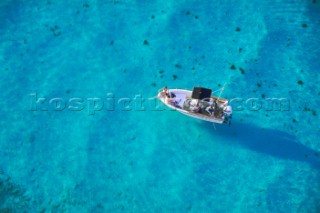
(201, 93)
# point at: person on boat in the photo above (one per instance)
(196, 108)
(164, 93)
(171, 101)
(211, 109)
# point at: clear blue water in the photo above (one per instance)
(158, 161)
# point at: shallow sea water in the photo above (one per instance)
(158, 160)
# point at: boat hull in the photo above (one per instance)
(181, 96)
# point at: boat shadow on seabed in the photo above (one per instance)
(272, 142)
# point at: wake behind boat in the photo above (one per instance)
(198, 103)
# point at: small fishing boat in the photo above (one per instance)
(198, 103)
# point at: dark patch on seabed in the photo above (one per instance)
(12, 197)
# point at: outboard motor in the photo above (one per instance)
(227, 110)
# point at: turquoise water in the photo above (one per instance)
(109, 158)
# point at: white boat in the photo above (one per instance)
(198, 103)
